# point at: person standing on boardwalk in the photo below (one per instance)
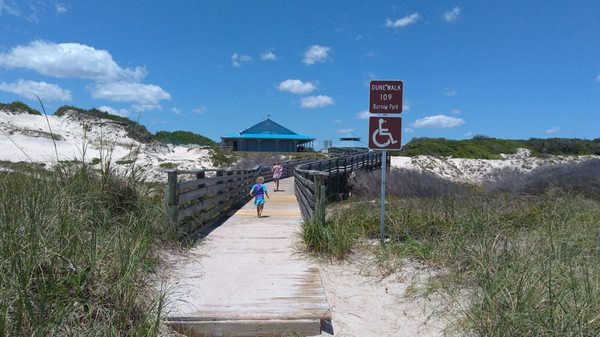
(277, 174)
(259, 191)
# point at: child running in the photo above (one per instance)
(258, 191)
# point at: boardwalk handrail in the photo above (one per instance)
(196, 198)
(319, 182)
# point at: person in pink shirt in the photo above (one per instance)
(277, 174)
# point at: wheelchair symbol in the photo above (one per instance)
(383, 132)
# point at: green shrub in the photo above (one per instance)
(19, 106)
(182, 138)
(490, 148)
(76, 248)
(526, 266)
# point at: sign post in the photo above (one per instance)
(382, 201)
(385, 132)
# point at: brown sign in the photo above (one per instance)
(385, 133)
(385, 97)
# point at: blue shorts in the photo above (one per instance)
(259, 201)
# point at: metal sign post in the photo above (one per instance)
(383, 184)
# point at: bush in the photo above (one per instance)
(182, 138)
(19, 106)
(76, 249)
(402, 183)
(526, 266)
(583, 178)
(483, 147)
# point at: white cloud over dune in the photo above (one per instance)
(312, 102)
(145, 96)
(316, 54)
(68, 60)
(296, 86)
(29, 89)
(404, 21)
(451, 15)
(238, 59)
(268, 56)
(438, 121)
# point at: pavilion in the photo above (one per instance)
(267, 136)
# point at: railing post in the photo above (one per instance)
(320, 200)
(201, 175)
(329, 187)
(172, 195)
(337, 175)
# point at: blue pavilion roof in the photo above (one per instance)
(266, 136)
(268, 129)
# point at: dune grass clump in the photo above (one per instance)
(76, 249)
(582, 178)
(529, 264)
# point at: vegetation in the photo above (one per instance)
(182, 138)
(490, 148)
(526, 258)
(134, 130)
(221, 159)
(14, 106)
(76, 247)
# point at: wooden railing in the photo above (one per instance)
(320, 182)
(198, 198)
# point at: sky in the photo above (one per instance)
(504, 69)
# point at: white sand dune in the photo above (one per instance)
(32, 138)
(477, 170)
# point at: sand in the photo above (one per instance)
(477, 170)
(32, 138)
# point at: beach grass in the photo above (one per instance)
(525, 264)
(77, 248)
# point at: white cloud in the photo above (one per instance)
(365, 114)
(28, 89)
(345, 130)
(409, 130)
(403, 22)
(452, 15)
(199, 110)
(237, 59)
(598, 78)
(60, 8)
(9, 8)
(268, 56)
(312, 102)
(337, 121)
(553, 130)
(370, 54)
(405, 106)
(176, 111)
(456, 111)
(296, 86)
(450, 92)
(469, 134)
(113, 111)
(316, 54)
(145, 96)
(68, 60)
(438, 121)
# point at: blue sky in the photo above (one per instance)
(506, 69)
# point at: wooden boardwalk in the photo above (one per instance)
(246, 279)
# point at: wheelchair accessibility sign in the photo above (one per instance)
(385, 133)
